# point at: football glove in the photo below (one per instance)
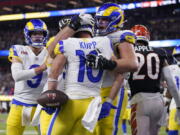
(100, 62)
(49, 110)
(177, 118)
(64, 22)
(81, 19)
(105, 110)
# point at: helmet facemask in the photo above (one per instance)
(113, 15)
(36, 33)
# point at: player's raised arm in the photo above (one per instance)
(68, 31)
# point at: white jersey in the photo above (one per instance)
(117, 37)
(82, 81)
(176, 75)
(27, 91)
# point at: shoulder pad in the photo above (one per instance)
(50, 41)
(13, 53)
(121, 36)
(59, 48)
(128, 36)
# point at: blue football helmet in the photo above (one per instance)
(114, 16)
(35, 25)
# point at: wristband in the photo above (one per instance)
(113, 65)
(52, 80)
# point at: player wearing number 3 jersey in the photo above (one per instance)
(147, 104)
(28, 71)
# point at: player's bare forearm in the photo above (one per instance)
(41, 68)
(61, 35)
(117, 84)
(128, 61)
(56, 69)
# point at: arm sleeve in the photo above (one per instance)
(171, 84)
(19, 74)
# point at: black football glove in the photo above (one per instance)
(81, 19)
(100, 62)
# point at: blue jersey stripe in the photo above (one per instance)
(119, 108)
(52, 122)
(16, 102)
(14, 51)
(61, 48)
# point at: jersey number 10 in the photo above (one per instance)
(83, 68)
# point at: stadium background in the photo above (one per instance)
(162, 17)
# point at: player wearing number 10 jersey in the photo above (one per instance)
(82, 83)
(147, 103)
(28, 71)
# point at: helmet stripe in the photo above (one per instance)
(109, 10)
(107, 5)
(30, 26)
(44, 26)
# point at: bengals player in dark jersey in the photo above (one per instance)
(147, 102)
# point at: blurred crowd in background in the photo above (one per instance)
(160, 30)
(6, 82)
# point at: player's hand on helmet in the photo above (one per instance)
(105, 110)
(86, 19)
(100, 62)
(49, 110)
(177, 118)
(64, 22)
(81, 19)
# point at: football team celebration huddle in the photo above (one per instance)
(78, 81)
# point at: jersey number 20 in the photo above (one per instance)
(149, 58)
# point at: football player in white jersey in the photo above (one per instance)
(109, 20)
(47, 114)
(82, 84)
(29, 72)
(174, 122)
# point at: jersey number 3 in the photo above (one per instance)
(36, 79)
(152, 73)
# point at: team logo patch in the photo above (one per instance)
(24, 52)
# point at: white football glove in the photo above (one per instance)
(177, 117)
(86, 19)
